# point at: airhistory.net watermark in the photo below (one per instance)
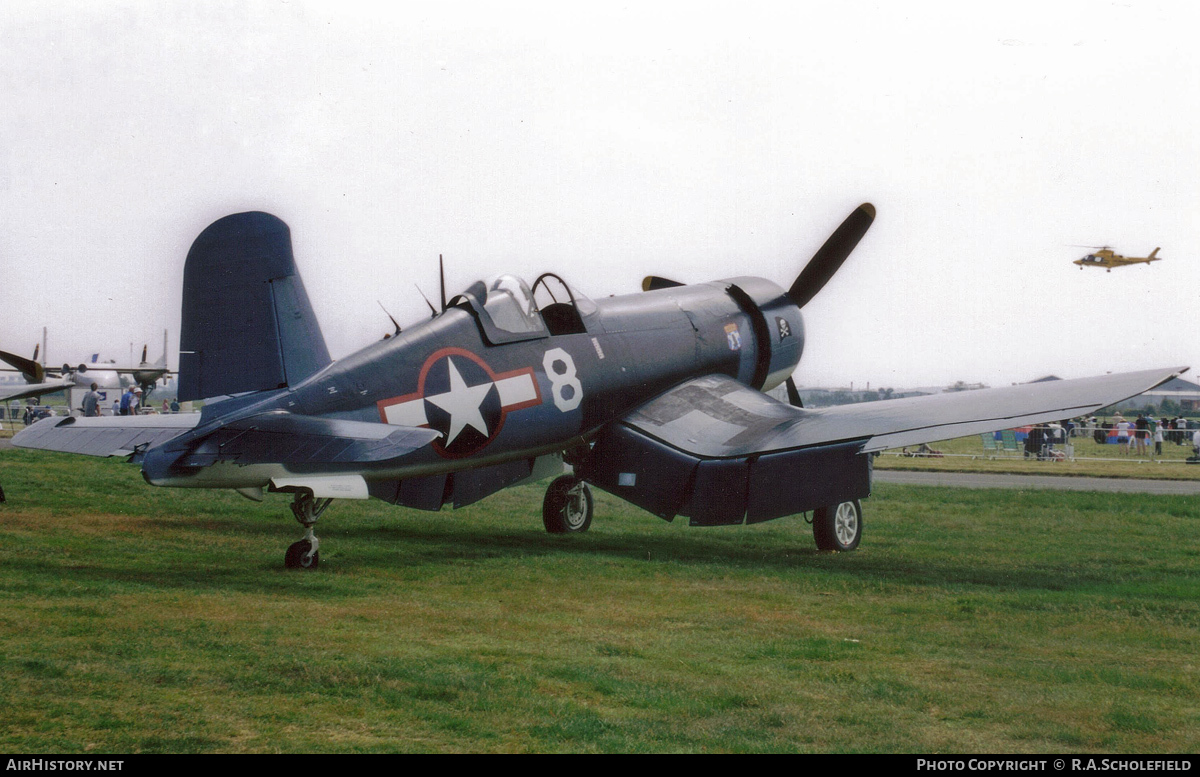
(62, 765)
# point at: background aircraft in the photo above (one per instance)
(147, 374)
(655, 396)
(106, 375)
(36, 380)
(1105, 257)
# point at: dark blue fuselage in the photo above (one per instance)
(500, 390)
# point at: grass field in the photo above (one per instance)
(149, 620)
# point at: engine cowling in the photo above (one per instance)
(778, 328)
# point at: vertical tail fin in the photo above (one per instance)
(1153, 254)
(247, 322)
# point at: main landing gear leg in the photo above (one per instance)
(304, 554)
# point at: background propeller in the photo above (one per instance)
(652, 282)
(829, 257)
(30, 368)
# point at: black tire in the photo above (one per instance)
(567, 508)
(296, 556)
(838, 527)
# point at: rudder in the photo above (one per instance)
(247, 322)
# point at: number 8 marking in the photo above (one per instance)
(564, 383)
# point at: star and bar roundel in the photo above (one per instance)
(460, 396)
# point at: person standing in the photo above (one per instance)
(91, 402)
(1123, 435)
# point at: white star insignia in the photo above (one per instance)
(462, 402)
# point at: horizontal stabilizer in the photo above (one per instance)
(107, 436)
(247, 322)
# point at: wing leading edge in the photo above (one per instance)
(721, 452)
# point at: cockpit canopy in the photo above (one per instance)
(509, 311)
(509, 304)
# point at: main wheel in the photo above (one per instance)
(298, 556)
(838, 527)
(567, 507)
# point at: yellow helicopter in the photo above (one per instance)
(1105, 257)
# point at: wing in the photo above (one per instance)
(721, 452)
(105, 436)
(276, 438)
(283, 438)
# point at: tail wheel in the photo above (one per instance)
(567, 507)
(300, 555)
(838, 527)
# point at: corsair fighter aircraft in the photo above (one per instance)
(655, 396)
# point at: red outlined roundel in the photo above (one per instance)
(459, 395)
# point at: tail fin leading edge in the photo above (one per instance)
(247, 322)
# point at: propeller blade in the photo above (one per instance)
(829, 257)
(144, 347)
(793, 393)
(28, 367)
(652, 282)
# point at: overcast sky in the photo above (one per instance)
(605, 142)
